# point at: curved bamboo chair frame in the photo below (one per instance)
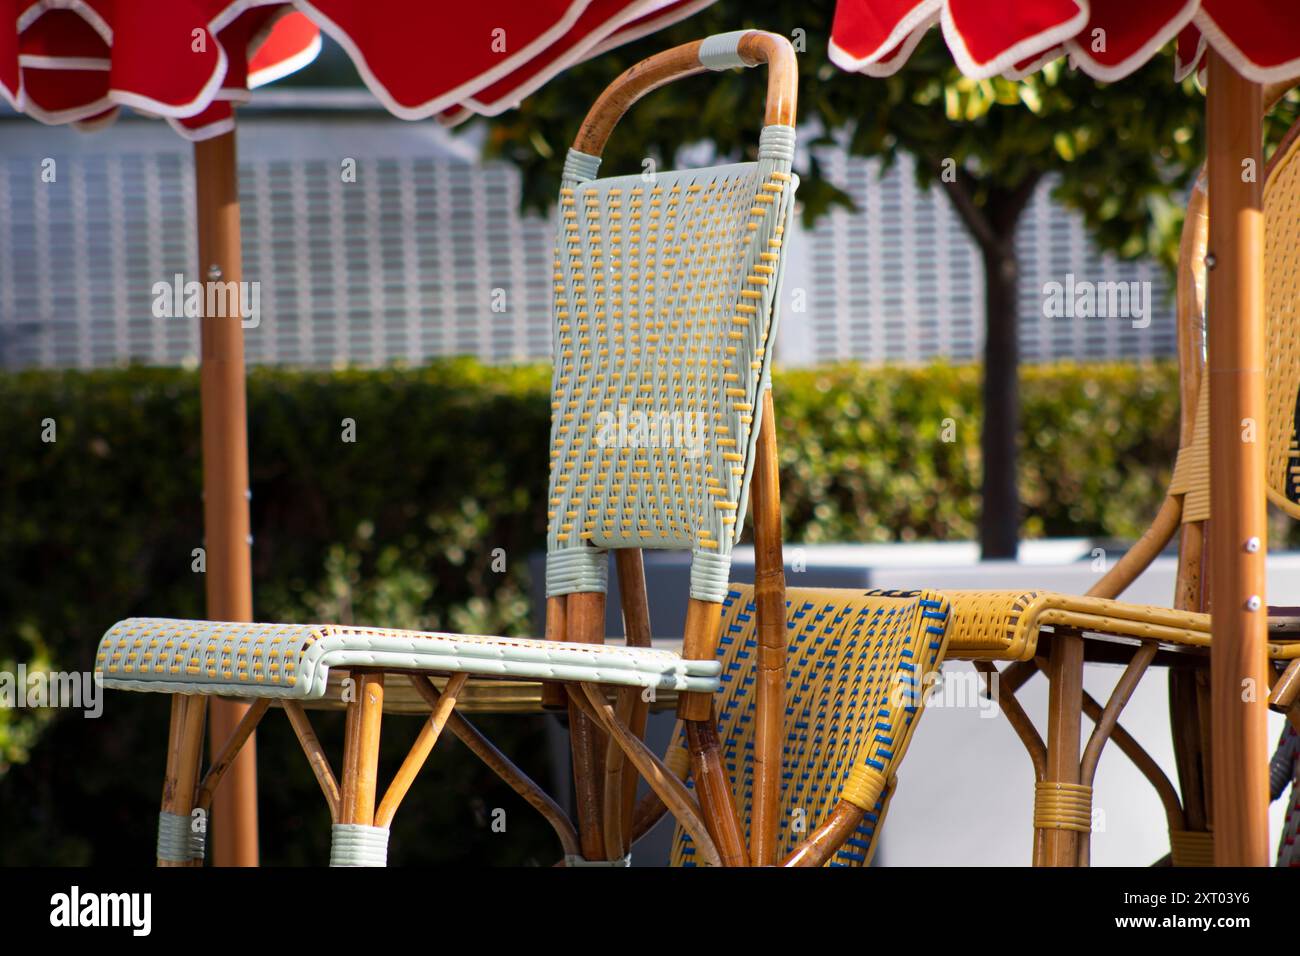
(1062, 836)
(609, 820)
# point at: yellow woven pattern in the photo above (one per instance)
(1004, 625)
(1191, 477)
(293, 660)
(857, 669)
(1281, 299)
(190, 650)
(987, 625)
(1062, 806)
(664, 309)
(1282, 357)
(1191, 847)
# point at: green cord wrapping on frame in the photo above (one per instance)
(666, 305)
(355, 844)
(178, 841)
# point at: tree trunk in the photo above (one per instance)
(990, 214)
(1000, 517)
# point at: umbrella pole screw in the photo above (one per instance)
(1253, 603)
(1252, 545)
(214, 272)
(1210, 260)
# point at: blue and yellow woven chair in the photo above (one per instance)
(825, 750)
(1055, 634)
(666, 292)
(859, 666)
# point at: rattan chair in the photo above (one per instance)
(1041, 631)
(666, 292)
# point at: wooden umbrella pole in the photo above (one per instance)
(1237, 541)
(225, 478)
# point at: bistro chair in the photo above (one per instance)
(1053, 633)
(666, 308)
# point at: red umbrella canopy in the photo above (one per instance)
(1107, 39)
(185, 60)
(485, 56)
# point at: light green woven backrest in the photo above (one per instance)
(666, 288)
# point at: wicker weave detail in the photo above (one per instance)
(1191, 848)
(1282, 350)
(1062, 806)
(294, 660)
(178, 842)
(1282, 311)
(1191, 477)
(355, 844)
(858, 668)
(666, 291)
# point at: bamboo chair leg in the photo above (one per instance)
(1144, 762)
(714, 789)
(703, 620)
(586, 624)
(184, 755)
(632, 707)
(670, 789)
(615, 819)
(1286, 689)
(827, 838)
(498, 763)
(361, 749)
(650, 809)
(316, 756)
(554, 696)
(1064, 722)
(229, 751)
(419, 751)
(769, 598)
(1104, 727)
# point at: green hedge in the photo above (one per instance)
(399, 528)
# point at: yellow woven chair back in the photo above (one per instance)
(1282, 307)
(666, 292)
(1282, 353)
(859, 666)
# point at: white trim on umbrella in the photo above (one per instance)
(79, 7)
(73, 114)
(1211, 32)
(907, 30)
(37, 61)
(673, 12)
(1183, 70)
(199, 134)
(211, 88)
(197, 105)
(92, 124)
(895, 63)
(451, 97)
(584, 49)
(1008, 58)
(282, 68)
(1036, 64)
(1082, 56)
